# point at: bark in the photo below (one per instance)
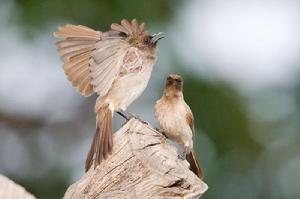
(143, 164)
(11, 190)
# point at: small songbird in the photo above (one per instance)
(116, 65)
(176, 120)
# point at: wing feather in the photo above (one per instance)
(106, 64)
(66, 57)
(83, 85)
(190, 119)
(77, 31)
(76, 76)
(75, 49)
(100, 71)
(92, 59)
(84, 57)
(105, 51)
(77, 69)
(104, 76)
(68, 43)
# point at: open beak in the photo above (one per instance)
(156, 37)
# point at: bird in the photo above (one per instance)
(115, 64)
(177, 121)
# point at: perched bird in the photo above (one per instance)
(176, 120)
(116, 65)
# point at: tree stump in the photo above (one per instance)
(11, 190)
(142, 165)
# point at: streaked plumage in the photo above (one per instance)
(176, 120)
(116, 65)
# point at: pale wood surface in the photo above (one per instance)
(142, 165)
(11, 190)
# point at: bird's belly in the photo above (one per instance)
(175, 130)
(175, 126)
(128, 88)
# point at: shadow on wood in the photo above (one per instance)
(142, 165)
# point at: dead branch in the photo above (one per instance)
(142, 165)
(11, 190)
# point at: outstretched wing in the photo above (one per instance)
(75, 50)
(114, 54)
(94, 59)
(107, 62)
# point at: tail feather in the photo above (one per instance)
(89, 159)
(194, 164)
(102, 142)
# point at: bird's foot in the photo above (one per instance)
(182, 156)
(161, 131)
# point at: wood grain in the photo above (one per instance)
(142, 165)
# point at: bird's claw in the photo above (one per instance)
(182, 155)
(161, 131)
(157, 129)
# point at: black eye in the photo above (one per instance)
(122, 34)
(147, 39)
(178, 80)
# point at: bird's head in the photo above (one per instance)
(136, 35)
(149, 41)
(174, 81)
(174, 86)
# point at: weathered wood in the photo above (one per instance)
(11, 190)
(142, 165)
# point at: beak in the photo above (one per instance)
(156, 37)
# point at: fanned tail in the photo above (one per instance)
(102, 142)
(194, 164)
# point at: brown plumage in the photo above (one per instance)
(116, 65)
(176, 120)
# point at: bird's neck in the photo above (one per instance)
(173, 95)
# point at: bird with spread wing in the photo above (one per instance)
(116, 65)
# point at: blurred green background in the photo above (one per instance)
(240, 62)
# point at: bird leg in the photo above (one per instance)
(123, 114)
(161, 131)
(129, 115)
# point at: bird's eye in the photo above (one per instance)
(178, 80)
(147, 40)
(122, 34)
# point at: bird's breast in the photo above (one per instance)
(171, 118)
(129, 86)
